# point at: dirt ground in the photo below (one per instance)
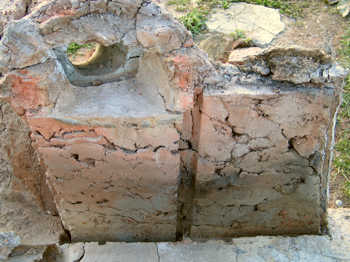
(324, 28)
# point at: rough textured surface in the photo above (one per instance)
(120, 253)
(240, 55)
(259, 23)
(121, 180)
(14, 10)
(264, 175)
(8, 241)
(26, 204)
(344, 7)
(154, 142)
(107, 137)
(30, 254)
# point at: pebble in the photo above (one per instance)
(339, 203)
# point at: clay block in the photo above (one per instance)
(107, 188)
(270, 156)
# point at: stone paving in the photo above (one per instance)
(334, 247)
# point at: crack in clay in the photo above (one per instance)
(82, 255)
(157, 252)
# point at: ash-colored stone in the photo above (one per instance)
(72, 252)
(217, 46)
(240, 55)
(339, 203)
(111, 252)
(8, 241)
(344, 7)
(209, 252)
(259, 23)
(27, 254)
(295, 64)
(22, 37)
(15, 9)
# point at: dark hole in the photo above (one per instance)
(75, 156)
(102, 201)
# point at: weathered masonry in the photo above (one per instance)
(153, 141)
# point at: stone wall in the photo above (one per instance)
(162, 143)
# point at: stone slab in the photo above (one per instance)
(119, 253)
(259, 23)
(327, 248)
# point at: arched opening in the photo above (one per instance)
(95, 59)
(92, 64)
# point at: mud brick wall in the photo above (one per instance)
(156, 142)
(265, 171)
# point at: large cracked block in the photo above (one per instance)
(106, 135)
(270, 157)
(116, 183)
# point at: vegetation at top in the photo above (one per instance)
(74, 47)
(196, 18)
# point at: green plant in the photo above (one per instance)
(74, 47)
(180, 5)
(342, 154)
(194, 21)
(238, 34)
(225, 4)
(344, 51)
(342, 159)
(347, 188)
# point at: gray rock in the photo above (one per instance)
(332, 2)
(239, 56)
(112, 252)
(28, 254)
(294, 64)
(344, 7)
(8, 241)
(339, 203)
(259, 23)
